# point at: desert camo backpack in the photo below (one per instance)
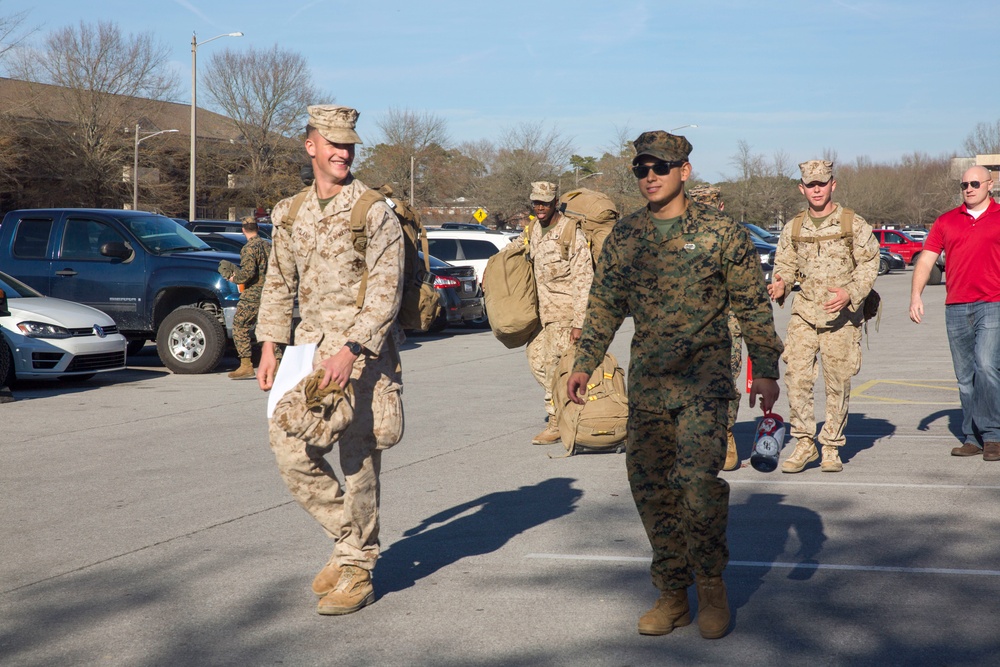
(600, 423)
(420, 304)
(594, 213)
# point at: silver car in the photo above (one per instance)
(52, 338)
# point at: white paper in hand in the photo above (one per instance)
(296, 363)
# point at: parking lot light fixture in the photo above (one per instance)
(135, 165)
(194, 112)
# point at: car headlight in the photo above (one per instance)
(896, 256)
(43, 330)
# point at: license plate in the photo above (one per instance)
(467, 288)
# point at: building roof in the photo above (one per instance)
(21, 99)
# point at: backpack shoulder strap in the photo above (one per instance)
(797, 225)
(846, 222)
(293, 212)
(359, 232)
(568, 240)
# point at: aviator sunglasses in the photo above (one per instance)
(975, 184)
(660, 168)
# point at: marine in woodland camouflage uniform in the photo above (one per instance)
(250, 274)
(705, 194)
(562, 275)
(679, 267)
(835, 275)
(315, 257)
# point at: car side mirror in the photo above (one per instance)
(4, 312)
(116, 249)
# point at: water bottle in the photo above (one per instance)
(768, 443)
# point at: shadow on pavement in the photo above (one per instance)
(954, 417)
(495, 518)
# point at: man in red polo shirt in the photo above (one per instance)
(970, 236)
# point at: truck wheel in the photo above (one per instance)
(935, 277)
(190, 340)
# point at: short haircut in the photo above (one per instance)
(249, 224)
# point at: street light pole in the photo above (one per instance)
(681, 128)
(577, 179)
(194, 112)
(135, 167)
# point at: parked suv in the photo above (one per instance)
(152, 276)
(466, 247)
(900, 243)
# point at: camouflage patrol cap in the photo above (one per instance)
(816, 171)
(663, 145)
(706, 194)
(335, 123)
(543, 191)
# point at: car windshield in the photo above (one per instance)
(14, 288)
(161, 235)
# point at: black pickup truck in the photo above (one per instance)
(156, 279)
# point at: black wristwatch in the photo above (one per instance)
(355, 348)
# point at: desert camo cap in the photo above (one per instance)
(543, 191)
(663, 145)
(335, 123)
(816, 171)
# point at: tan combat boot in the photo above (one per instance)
(327, 578)
(353, 591)
(549, 436)
(732, 458)
(713, 607)
(804, 454)
(831, 459)
(670, 611)
(244, 372)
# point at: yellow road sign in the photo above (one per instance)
(480, 215)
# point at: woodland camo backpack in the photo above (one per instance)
(420, 304)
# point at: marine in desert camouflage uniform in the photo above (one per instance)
(679, 267)
(835, 275)
(710, 196)
(316, 258)
(250, 274)
(563, 276)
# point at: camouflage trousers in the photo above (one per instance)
(544, 350)
(673, 461)
(735, 367)
(244, 322)
(350, 513)
(839, 350)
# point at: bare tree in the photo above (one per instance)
(266, 94)
(984, 139)
(616, 179)
(13, 31)
(411, 140)
(101, 81)
(525, 153)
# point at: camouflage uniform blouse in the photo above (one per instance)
(317, 261)
(253, 267)
(563, 284)
(819, 266)
(678, 289)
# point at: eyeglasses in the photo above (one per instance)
(975, 184)
(660, 168)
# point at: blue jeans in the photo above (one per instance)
(974, 338)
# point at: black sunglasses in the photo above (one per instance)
(975, 184)
(660, 168)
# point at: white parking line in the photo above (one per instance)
(786, 566)
(901, 485)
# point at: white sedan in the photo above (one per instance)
(53, 338)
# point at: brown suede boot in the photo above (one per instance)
(354, 590)
(327, 578)
(732, 458)
(804, 454)
(244, 372)
(670, 611)
(713, 607)
(549, 436)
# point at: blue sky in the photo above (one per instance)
(876, 79)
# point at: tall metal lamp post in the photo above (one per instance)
(681, 128)
(194, 110)
(135, 167)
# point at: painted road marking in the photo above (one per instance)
(883, 485)
(861, 391)
(787, 566)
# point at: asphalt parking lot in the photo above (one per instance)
(144, 523)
